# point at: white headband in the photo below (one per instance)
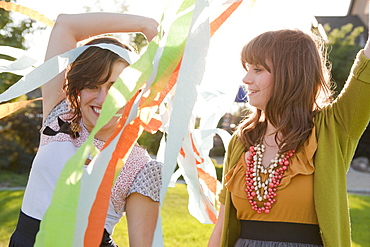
(130, 57)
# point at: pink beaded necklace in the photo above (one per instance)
(258, 190)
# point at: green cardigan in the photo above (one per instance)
(339, 126)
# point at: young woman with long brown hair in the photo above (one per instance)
(285, 169)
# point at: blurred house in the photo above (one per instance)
(357, 15)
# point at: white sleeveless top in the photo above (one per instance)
(140, 173)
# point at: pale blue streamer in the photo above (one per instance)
(190, 75)
(197, 198)
(52, 67)
(21, 64)
(42, 74)
(11, 51)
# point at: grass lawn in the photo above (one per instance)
(11, 179)
(360, 216)
(180, 228)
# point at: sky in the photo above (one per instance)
(266, 15)
(151, 8)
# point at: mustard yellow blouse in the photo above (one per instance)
(294, 199)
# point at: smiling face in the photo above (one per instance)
(259, 82)
(93, 97)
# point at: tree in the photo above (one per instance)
(12, 35)
(18, 144)
(19, 138)
(343, 51)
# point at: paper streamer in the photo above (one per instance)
(47, 71)
(190, 75)
(223, 17)
(21, 66)
(12, 51)
(9, 108)
(26, 11)
(201, 203)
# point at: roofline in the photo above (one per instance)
(350, 7)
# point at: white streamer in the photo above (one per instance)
(52, 67)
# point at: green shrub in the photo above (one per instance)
(150, 141)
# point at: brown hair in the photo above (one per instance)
(301, 83)
(93, 67)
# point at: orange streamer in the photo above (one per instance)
(209, 180)
(196, 151)
(222, 18)
(153, 125)
(33, 14)
(211, 214)
(100, 207)
(168, 87)
(182, 152)
(9, 108)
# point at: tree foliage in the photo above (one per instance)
(342, 51)
(12, 34)
(18, 132)
(19, 138)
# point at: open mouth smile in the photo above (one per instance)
(251, 92)
(96, 109)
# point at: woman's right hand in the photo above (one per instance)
(150, 29)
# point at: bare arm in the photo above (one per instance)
(215, 239)
(72, 28)
(367, 46)
(142, 214)
(367, 50)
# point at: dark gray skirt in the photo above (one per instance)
(241, 242)
(27, 228)
(25, 232)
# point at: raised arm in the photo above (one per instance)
(367, 50)
(351, 108)
(367, 46)
(72, 28)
